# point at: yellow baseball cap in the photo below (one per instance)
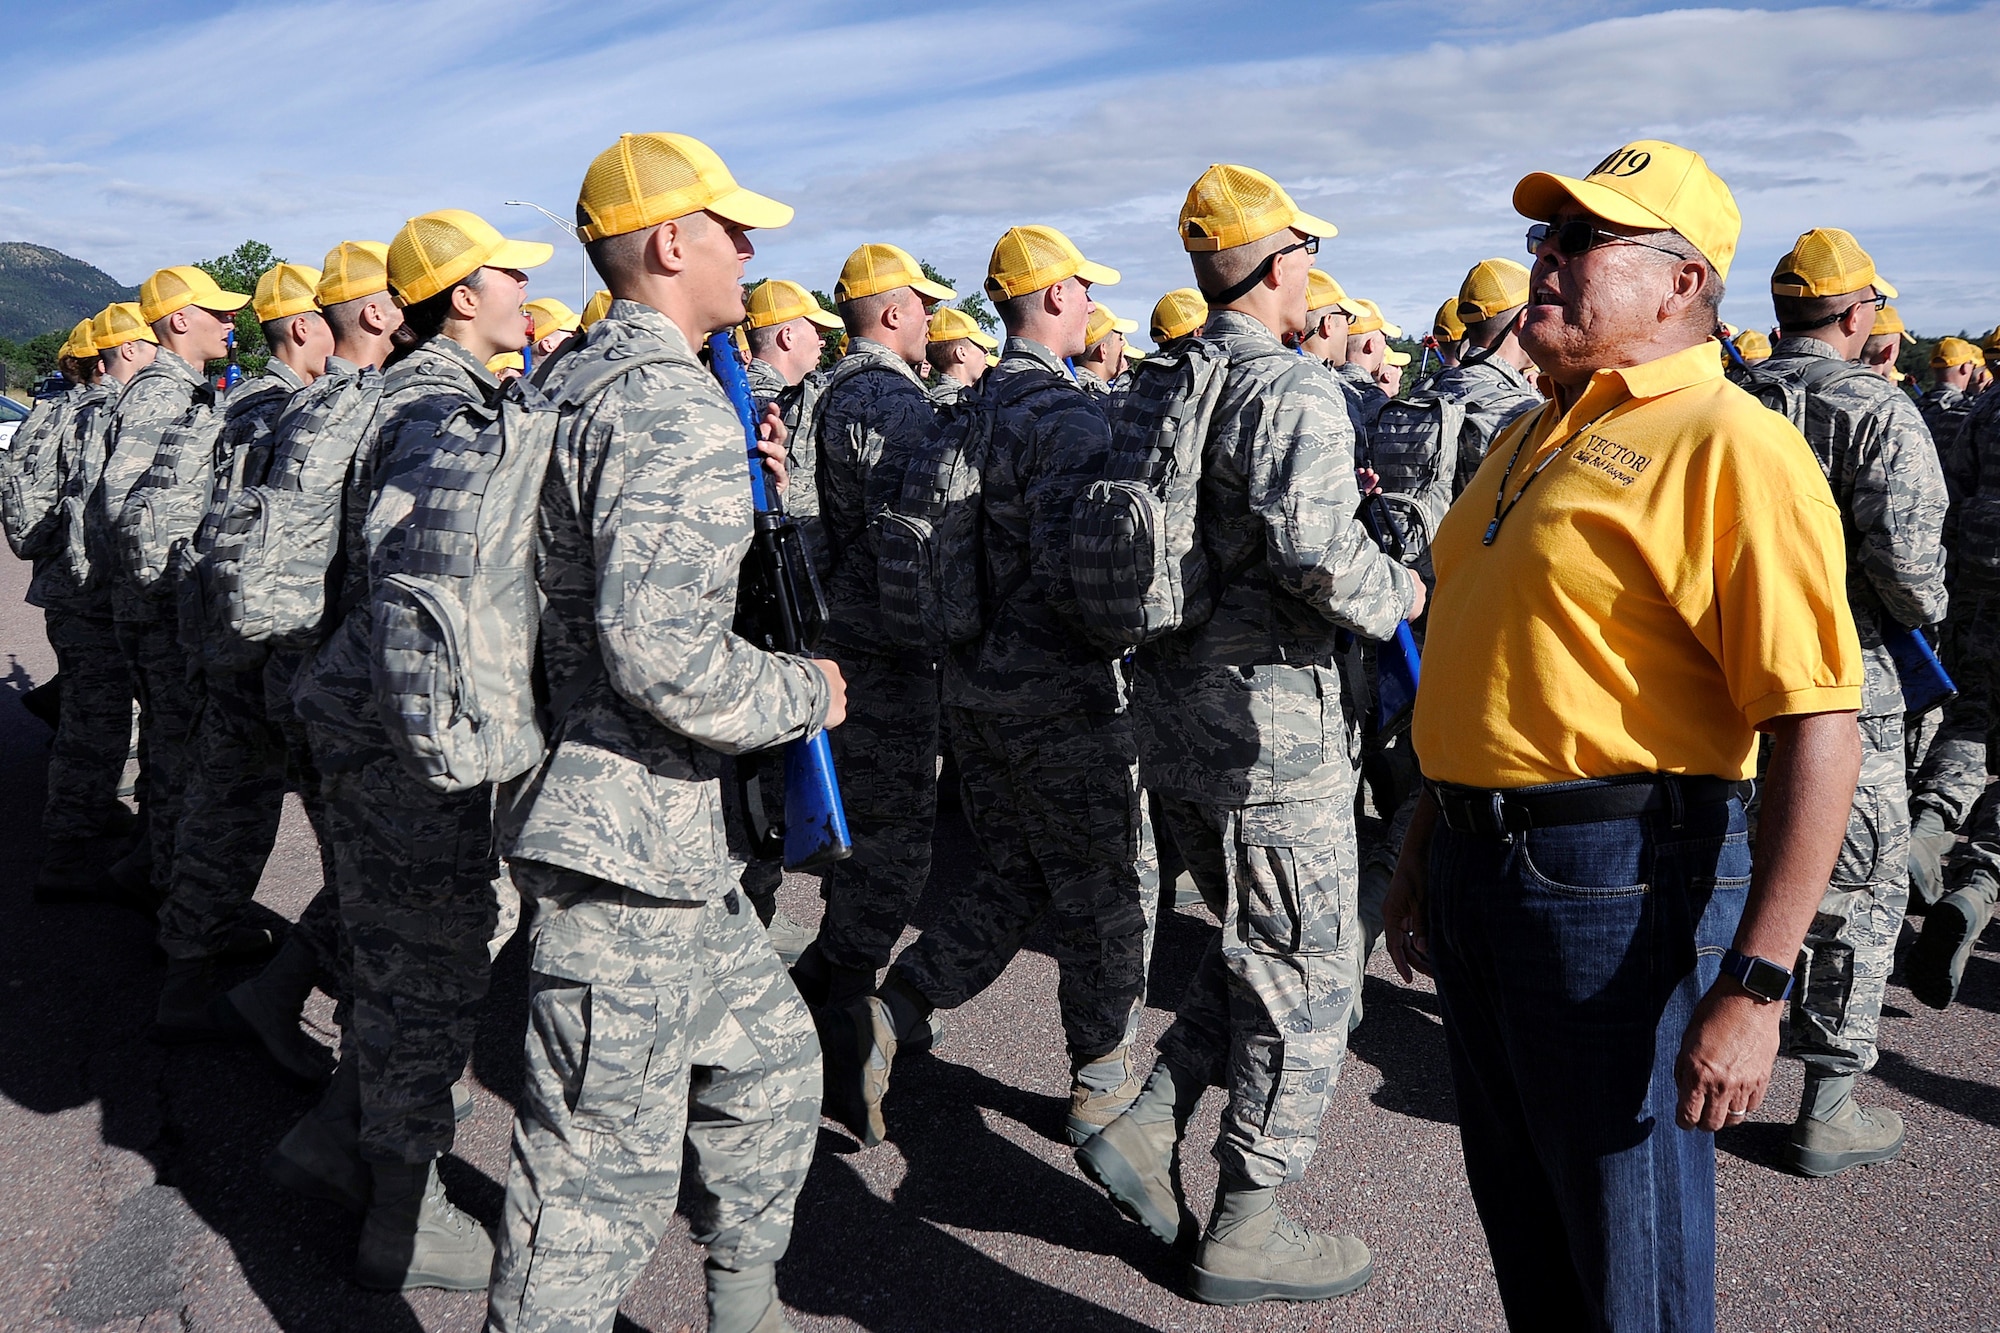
(181, 286)
(1492, 286)
(1888, 320)
(1179, 313)
(435, 250)
(352, 270)
(119, 323)
(1827, 261)
(1231, 206)
(1323, 291)
(506, 361)
(1954, 352)
(1648, 183)
(549, 316)
(1369, 320)
(1752, 345)
(81, 345)
(1396, 358)
(595, 308)
(285, 290)
(1991, 342)
(1448, 326)
(876, 268)
(1027, 259)
(778, 301)
(949, 325)
(1103, 324)
(646, 179)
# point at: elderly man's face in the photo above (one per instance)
(1585, 310)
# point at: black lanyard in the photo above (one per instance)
(1502, 506)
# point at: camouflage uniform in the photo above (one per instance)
(94, 731)
(1036, 715)
(1365, 400)
(236, 789)
(421, 895)
(872, 415)
(167, 681)
(1944, 410)
(948, 390)
(766, 384)
(1248, 738)
(1091, 383)
(660, 1019)
(795, 408)
(1883, 469)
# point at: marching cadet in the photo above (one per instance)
(1872, 444)
(1243, 732)
(1752, 346)
(660, 1019)
(1181, 313)
(237, 784)
(872, 415)
(1449, 331)
(1035, 714)
(1945, 404)
(1390, 377)
(1368, 335)
(553, 325)
(957, 349)
(787, 338)
(1103, 359)
(1886, 338)
(594, 308)
(1491, 377)
(1330, 312)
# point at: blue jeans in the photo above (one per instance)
(1569, 961)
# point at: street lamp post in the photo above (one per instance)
(569, 228)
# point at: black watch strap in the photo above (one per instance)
(1760, 976)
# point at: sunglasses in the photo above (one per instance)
(1579, 235)
(1878, 300)
(1310, 245)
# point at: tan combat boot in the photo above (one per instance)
(1834, 1132)
(1253, 1252)
(745, 1301)
(1101, 1090)
(415, 1237)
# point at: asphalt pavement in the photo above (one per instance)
(132, 1195)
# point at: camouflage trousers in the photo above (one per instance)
(1850, 948)
(886, 753)
(1063, 833)
(421, 899)
(169, 690)
(1265, 1015)
(1954, 772)
(235, 796)
(94, 732)
(655, 1028)
(318, 927)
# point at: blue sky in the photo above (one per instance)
(150, 134)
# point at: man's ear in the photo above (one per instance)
(666, 248)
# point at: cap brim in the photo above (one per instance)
(226, 302)
(1125, 325)
(1097, 275)
(520, 254)
(984, 339)
(991, 360)
(826, 319)
(1542, 194)
(747, 208)
(1313, 226)
(932, 291)
(1393, 330)
(1396, 358)
(1882, 286)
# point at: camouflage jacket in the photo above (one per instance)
(1049, 441)
(873, 412)
(1884, 472)
(1364, 401)
(795, 409)
(766, 384)
(1972, 467)
(155, 399)
(34, 454)
(242, 453)
(948, 390)
(645, 520)
(1247, 708)
(78, 460)
(1493, 393)
(1092, 383)
(1944, 410)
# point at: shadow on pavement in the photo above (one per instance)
(1961, 1096)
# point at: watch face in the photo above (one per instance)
(1766, 979)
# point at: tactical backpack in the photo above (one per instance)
(168, 500)
(930, 554)
(29, 477)
(1799, 403)
(1136, 557)
(455, 606)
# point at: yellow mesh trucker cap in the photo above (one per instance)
(81, 345)
(1231, 206)
(181, 286)
(435, 250)
(119, 323)
(1396, 358)
(1889, 320)
(1179, 313)
(1752, 345)
(1448, 327)
(779, 301)
(550, 315)
(352, 270)
(1827, 261)
(594, 309)
(1027, 259)
(1647, 183)
(1954, 352)
(646, 179)
(1492, 286)
(1322, 290)
(876, 268)
(285, 290)
(949, 325)
(1369, 320)
(1103, 323)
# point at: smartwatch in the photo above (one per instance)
(1760, 976)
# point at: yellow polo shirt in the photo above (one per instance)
(1673, 578)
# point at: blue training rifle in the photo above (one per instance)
(1398, 665)
(785, 610)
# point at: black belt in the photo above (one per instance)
(1515, 809)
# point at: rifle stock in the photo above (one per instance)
(786, 609)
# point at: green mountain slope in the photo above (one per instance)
(43, 289)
